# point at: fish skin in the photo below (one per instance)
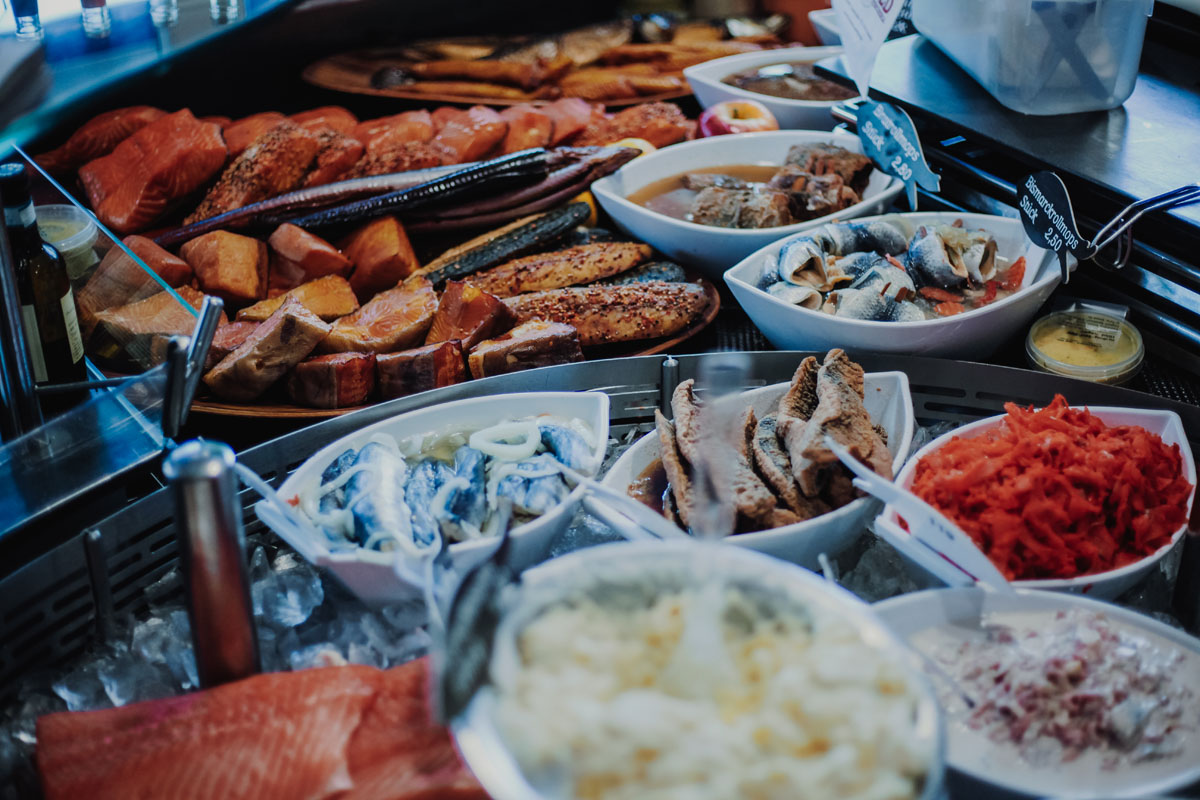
(337, 498)
(376, 495)
(567, 446)
(462, 507)
(423, 485)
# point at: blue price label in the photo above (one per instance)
(890, 139)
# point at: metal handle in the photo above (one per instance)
(212, 546)
(1120, 229)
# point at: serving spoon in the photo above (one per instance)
(933, 541)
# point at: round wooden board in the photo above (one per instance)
(628, 350)
(351, 72)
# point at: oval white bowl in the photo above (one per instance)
(980, 765)
(1105, 585)
(372, 575)
(972, 335)
(887, 400)
(666, 563)
(813, 115)
(708, 248)
(825, 23)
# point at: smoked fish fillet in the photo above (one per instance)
(469, 135)
(607, 314)
(334, 733)
(162, 162)
(527, 127)
(570, 267)
(279, 735)
(97, 137)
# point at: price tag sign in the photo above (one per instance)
(890, 139)
(864, 25)
(1049, 221)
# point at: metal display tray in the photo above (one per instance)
(52, 607)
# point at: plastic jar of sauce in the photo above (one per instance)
(73, 233)
(1086, 343)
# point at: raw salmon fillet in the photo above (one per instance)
(469, 135)
(338, 733)
(98, 136)
(164, 161)
(527, 127)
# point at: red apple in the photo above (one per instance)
(737, 116)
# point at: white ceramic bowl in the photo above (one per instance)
(986, 770)
(657, 565)
(706, 247)
(886, 399)
(371, 574)
(813, 115)
(972, 335)
(1104, 585)
(825, 23)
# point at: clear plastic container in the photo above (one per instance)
(1042, 56)
(1086, 343)
(73, 233)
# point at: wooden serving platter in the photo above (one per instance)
(351, 73)
(626, 350)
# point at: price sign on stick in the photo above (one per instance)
(864, 25)
(890, 139)
(1048, 219)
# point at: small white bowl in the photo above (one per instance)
(371, 574)
(1104, 585)
(706, 247)
(813, 115)
(980, 768)
(972, 335)
(825, 23)
(663, 565)
(887, 400)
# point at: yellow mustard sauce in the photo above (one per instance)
(1083, 347)
(56, 230)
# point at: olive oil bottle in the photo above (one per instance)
(47, 303)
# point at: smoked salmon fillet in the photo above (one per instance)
(407, 126)
(527, 127)
(335, 733)
(241, 133)
(98, 136)
(162, 162)
(469, 135)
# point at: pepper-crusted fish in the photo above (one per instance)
(607, 314)
(570, 267)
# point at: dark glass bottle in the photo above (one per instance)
(47, 303)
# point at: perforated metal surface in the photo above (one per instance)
(48, 611)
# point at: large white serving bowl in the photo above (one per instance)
(372, 575)
(985, 770)
(634, 569)
(1104, 585)
(887, 400)
(812, 115)
(825, 23)
(972, 335)
(708, 248)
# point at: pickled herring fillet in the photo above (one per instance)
(146, 173)
(607, 314)
(347, 732)
(97, 137)
(569, 267)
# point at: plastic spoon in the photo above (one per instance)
(933, 540)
